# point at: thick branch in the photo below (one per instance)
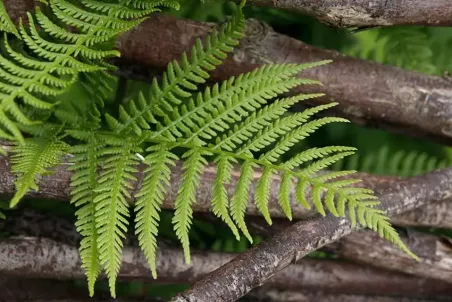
(309, 274)
(368, 93)
(340, 13)
(368, 248)
(255, 266)
(352, 13)
(56, 187)
(45, 258)
(278, 296)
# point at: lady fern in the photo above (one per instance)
(47, 62)
(240, 122)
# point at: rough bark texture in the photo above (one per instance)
(352, 13)
(254, 267)
(339, 13)
(340, 277)
(367, 248)
(45, 258)
(56, 187)
(322, 297)
(368, 93)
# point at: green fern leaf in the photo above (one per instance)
(6, 24)
(193, 167)
(284, 195)
(262, 194)
(32, 160)
(181, 78)
(118, 163)
(50, 57)
(220, 199)
(239, 201)
(150, 198)
(83, 183)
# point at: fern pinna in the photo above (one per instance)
(240, 122)
(45, 63)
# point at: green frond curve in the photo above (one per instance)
(150, 198)
(49, 60)
(233, 122)
(32, 160)
(111, 208)
(193, 167)
(83, 184)
(6, 24)
(180, 79)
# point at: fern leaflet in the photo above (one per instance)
(32, 160)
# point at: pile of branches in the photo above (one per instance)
(44, 247)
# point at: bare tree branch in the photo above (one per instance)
(254, 267)
(56, 187)
(278, 296)
(368, 248)
(308, 274)
(45, 258)
(353, 13)
(368, 93)
(340, 13)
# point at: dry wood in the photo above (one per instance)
(368, 93)
(254, 267)
(277, 296)
(362, 13)
(56, 187)
(45, 258)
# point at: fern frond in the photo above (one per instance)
(6, 24)
(150, 198)
(220, 199)
(111, 207)
(180, 78)
(52, 57)
(32, 160)
(239, 201)
(183, 120)
(83, 183)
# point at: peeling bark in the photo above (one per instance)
(254, 267)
